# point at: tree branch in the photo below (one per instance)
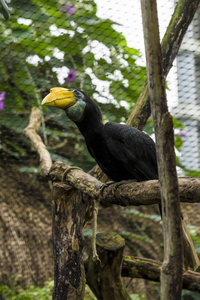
(150, 269)
(124, 194)
(31, 133)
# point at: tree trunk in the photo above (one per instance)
(68, 216)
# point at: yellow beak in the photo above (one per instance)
(59, 97)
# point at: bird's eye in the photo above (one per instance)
(77, 93)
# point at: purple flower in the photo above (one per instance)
(68, 8)
(2, 98)
(71, 76)
(182, 134)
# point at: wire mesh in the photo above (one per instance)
(96, 46)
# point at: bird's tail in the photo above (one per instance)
(190, 258)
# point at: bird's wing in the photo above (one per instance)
(135, 149)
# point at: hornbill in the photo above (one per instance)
(121, 151)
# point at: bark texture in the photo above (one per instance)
(68, 216)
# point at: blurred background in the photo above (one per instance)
(96, 46)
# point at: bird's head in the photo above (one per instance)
(72, 101)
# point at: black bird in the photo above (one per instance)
(121, 151)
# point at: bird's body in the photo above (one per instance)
(121, 151)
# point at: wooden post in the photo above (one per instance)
(104, 276)
(171, 272)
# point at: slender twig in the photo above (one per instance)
(94, 249)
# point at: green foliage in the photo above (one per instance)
(40, 38)
(36, 293)
(191, 173)
(135, 212)
(88, 232)
(137, 297)
(195, 238)
(31, 293)
(189, 295)
(88, 294)
(30, 170)
(130, 235)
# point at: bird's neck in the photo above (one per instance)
(90, 127)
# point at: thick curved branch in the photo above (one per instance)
(31, 133)
(150, 269)
(124, 194)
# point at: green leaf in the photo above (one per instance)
(178, 124)
(69, 45)
(15, 123)
(30, 170)
(156, 218)
(89, 59)
(17, 149)
(178, 142)
(127, 234)
(103, 31)
(191, 173)
(57, 157)
(21, 31)
(99, 72)
(87, 232)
